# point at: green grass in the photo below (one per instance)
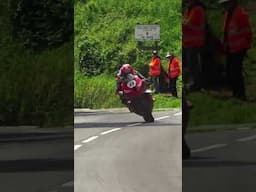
(165, 101)
(220, 110)
(95, 92)
(99, 92)
(36, 88)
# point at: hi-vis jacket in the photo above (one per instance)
(173, 67)
(237, 29)
(155, 66)
(193, 27)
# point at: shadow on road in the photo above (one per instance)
(121, 124)
(199, 163)
(200, 158)
(36, 165)
(27, 139)
(89, 113)
(101, 125)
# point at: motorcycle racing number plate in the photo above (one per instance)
(131, 84)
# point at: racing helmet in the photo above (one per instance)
(126, 68)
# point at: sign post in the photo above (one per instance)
(147, 33)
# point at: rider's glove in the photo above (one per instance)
(120, 92)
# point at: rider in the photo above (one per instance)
(123, 75)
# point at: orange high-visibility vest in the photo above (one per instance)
(155, 66)
(238, 30)
(193, 27)
(173, 67)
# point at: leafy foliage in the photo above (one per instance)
(104, 40)
(90, 60)
(43, 24)
(108, 28)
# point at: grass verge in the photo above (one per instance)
(220, 110)
(36, 87)
(99, 92)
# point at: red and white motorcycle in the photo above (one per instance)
(136, 97)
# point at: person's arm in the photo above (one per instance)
(139, 75)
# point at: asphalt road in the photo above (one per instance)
(36, 166)
(221, 161)
(115, 151)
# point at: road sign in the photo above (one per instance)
(147, 32)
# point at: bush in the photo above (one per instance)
(42, 24)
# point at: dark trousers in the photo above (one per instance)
(173, 87)
(156, 83)
(235, 73)
(192, 62)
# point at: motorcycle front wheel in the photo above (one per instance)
(148, 117)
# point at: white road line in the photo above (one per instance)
(113, 130)
(208, 148)
(178, 114)
(90, 139)
(77, 147)
(247, 138)
(68, 184)
(110, 131)
(160, 118)
(135, 124)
